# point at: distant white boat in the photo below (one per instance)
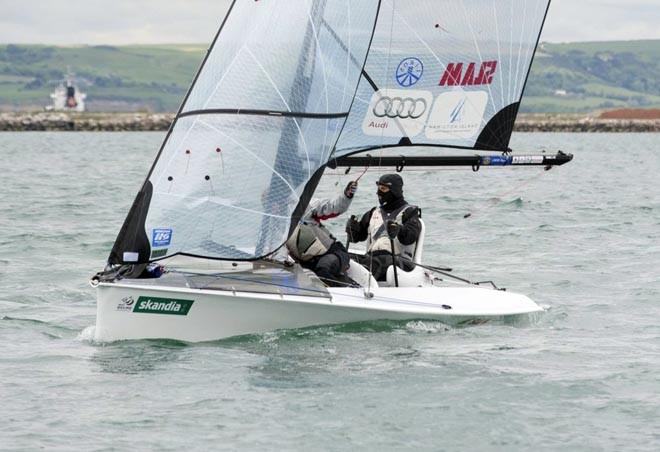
(67, 97)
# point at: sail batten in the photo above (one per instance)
(290, 114)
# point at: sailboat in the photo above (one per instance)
(286, 90)
(67, 96)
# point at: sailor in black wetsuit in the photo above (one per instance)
(395, 214)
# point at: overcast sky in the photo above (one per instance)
(196, 21)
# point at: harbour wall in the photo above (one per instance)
(122, 122)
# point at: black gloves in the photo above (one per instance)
(350, 189)
(393, 229)
(352, 228)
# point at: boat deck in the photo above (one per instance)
(255, 277)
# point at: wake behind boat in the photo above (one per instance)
(280, 97)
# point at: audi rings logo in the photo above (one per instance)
(400, 107)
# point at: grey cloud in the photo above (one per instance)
(196, 21)
(111, 21)
(602, 20)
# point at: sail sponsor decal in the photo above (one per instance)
(161, 237)
(158, 253)
(126, 304)
(154, 305)
(397, 112)
(468, 74)
(130, 256)
(409, 71)
(457, 115)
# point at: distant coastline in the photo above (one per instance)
(146, 122)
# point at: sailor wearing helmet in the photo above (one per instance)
(395, 218)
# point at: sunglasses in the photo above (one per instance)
(383, 188)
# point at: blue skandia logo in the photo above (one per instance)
(161, 237)
(409, 71)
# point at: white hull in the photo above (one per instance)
(213, 314)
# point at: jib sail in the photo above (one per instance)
(262, 116)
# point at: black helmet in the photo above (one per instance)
(394, 182)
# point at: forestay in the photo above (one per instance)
(276, 95)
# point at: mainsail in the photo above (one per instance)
(445, 73)
(286, 87)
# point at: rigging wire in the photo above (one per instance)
(382, 132)
(498, 198)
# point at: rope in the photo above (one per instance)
(498, 199)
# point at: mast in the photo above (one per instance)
(289, 136)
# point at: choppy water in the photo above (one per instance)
(582, 240)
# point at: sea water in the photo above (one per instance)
(583, 240)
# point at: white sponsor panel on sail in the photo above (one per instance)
(456, 114)
(397, 112)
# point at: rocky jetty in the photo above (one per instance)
(111, 122)
(88, 121)
(581, 123)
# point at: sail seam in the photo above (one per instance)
(481, 60)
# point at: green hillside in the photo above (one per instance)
(594, 75)
(565, 78)
(140, 77)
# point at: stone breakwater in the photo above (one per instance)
(85, 122)
(109, 122)
(586, 124)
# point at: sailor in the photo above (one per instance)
(312, 245)
(394, 218)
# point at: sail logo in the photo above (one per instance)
(454, 75)
(154, 305)
(397, 113)
(457, 115)
(399, 107)
(161, 237)
(409, 71)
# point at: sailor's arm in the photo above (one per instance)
(411, 227)
(325, 209)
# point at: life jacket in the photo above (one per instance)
(309, 240)
(378, 238)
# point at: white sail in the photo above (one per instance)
(276, 98)
(444, 73)
(263, 114)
